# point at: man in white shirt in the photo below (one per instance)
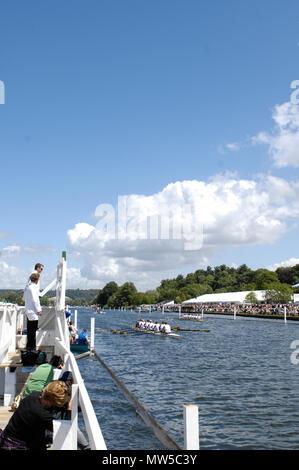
(32, 309)
(167, 328)
(38, 268)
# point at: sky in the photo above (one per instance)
(147, 139)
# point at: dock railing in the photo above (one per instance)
(8, 326)
(12, 320)
(65, 432)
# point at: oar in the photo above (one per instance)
(118, 332)
(123, 332)
(180, 329)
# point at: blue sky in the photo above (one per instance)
(109, 98)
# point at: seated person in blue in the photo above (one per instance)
(83, 338)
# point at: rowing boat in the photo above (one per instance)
(192, 319)
(79, 347)
(174, 335)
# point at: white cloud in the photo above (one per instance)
(10, 251)
(76, 280)
(229, 147)
(233, 146)
(35, 249)
(283, 142)
(11, 277)
(233, 212)
(284, 264)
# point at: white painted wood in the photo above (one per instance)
(49, 287)
(9, 387)
(75, 403)
(285, 313)
(62, 435)
(92, 329)
(76, 319)
(93, 429)
(191, 427)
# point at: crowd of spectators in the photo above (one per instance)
(254, 308)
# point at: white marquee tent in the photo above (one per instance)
(230, 297)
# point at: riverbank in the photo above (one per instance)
(253, 315)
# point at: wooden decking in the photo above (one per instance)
(5, 415)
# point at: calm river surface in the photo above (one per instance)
(240, 374)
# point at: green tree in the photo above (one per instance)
(13, 298)
(104, 294)
(125, 296)
(44, 301)
(265, 278)
(278, 293)
(251, 297)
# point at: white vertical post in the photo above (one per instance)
(235, 312)
(191, 427)
(163, 309)
(201, 312)
(75, 402)
(180, 310)
(285, 313)
(76, 318)
(92, 333)
(9, 387)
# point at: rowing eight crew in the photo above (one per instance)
(164, 327)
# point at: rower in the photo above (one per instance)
(142, 324)
(138, 323)
(147, 324)
(166, 329)
(152, 326)
(157, 326)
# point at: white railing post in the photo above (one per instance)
(76, 319)
(93, 429)
(60, 301)
(92, 320)
(191, 427)
(235, 312)
(285, 313)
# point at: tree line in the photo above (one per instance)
(278, 286)
(203, 281)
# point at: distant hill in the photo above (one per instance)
(76, 296)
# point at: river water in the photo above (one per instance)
(240, 374)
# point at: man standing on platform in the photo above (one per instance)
(38, 268)
(33, 309)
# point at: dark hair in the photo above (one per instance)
(56, 361)
(38, 265)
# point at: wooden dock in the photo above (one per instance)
(5, 415)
